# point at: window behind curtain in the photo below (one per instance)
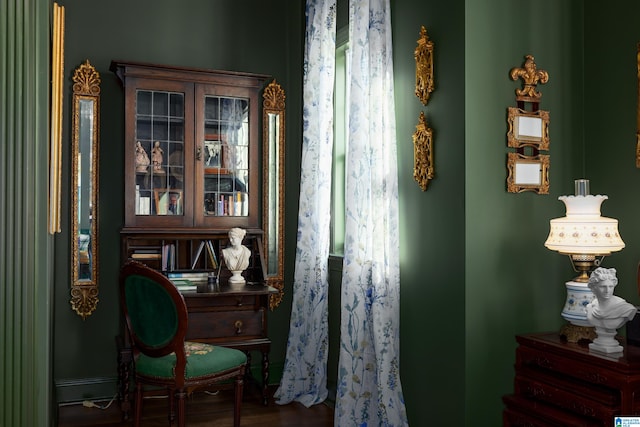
(339, 149)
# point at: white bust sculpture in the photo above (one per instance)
(607, 312)
(236, 256)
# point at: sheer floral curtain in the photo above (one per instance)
(305, 372)
(369, 390)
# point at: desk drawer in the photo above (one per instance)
(226, 324)
(204, 301)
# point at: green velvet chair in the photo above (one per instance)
(156, 317)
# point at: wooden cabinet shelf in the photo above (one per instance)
(186, 250)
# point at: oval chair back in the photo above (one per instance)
(157, 320)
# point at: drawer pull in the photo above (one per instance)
(238, 326)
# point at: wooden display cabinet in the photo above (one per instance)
(192, 141)
(192, 171)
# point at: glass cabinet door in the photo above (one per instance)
(192, 143)
(225, 168)
(225, 156)
(159, 139)
(160, 136)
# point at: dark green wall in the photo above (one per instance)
(262, 37)
(474, 270)
(432, 270)
(610, 111)
(513, 283)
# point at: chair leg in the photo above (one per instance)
(138, 408)
(180, 394)
(237, 404)
(172, 406)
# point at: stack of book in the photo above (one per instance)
(188, 280)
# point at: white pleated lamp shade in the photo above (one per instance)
(583, 230)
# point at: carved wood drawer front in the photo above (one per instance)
(226, 324)
(571, 400)
(564, 366)
(520, 412)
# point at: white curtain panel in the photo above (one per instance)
(305, 372)
(369, 390)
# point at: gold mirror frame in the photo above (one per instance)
(84, 190)
(423, 55)
(273, 134)
(528, 173)
(528, 129)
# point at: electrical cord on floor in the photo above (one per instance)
(90, 404)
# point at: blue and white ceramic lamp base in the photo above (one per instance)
(575, 307)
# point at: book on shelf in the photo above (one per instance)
(196, 257)
(185, 284)
(188, 275)
(168, 257)
(146, 255)
(213, 260)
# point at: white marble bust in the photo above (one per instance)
(236, 256)
(607, 312)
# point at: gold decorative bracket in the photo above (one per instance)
(86, 80)
(530, 76)
(84, 299)
(423, 168)
(423, 55)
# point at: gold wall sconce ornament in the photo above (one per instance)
(84, 189)
(423, 55)
(423, 167)
(530, 76)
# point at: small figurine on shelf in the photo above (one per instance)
(156, 155)
(236, 256)
(142, 159)
(607, 312)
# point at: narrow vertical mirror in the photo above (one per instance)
(84, 190)
(273, 122)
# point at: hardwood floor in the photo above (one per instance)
(203, 410)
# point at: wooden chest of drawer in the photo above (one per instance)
(560, 384)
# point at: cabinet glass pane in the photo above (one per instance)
(160, 164)
(226, 156)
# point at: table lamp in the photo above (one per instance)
(586, 237)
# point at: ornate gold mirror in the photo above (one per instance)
(84, 190)
(273, 122)
(528, 128)
(528, 173)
